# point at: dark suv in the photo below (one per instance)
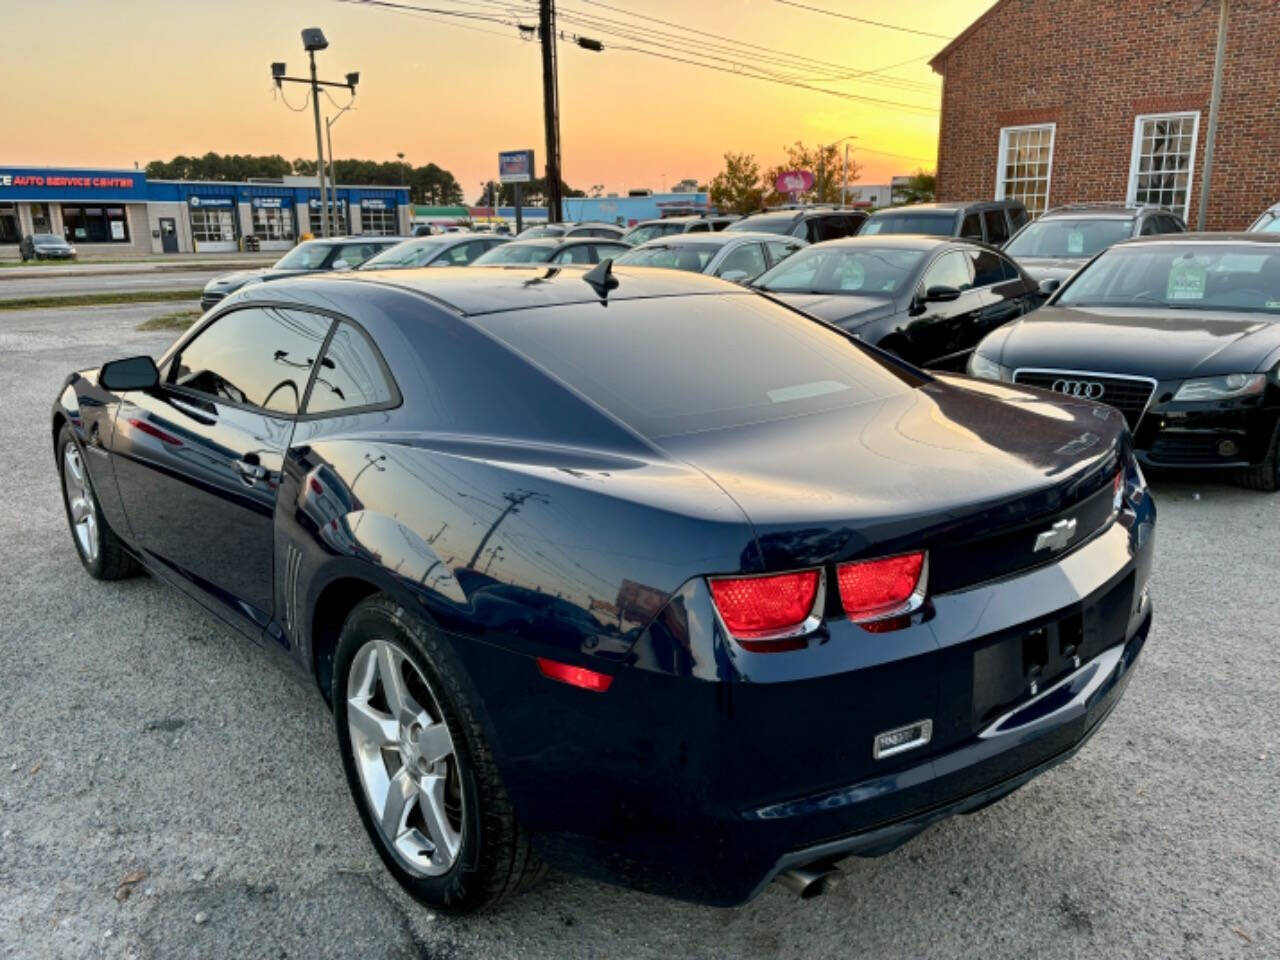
(1065, 238)
(992, 221)
(811, 224)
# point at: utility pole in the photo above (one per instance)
(1215, 98)
(550, 105)
(313, 40)
(514, 500)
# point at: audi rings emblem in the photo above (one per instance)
(1085, 389)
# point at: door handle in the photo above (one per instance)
(251, 472)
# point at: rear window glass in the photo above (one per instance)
(647, 361)
(933, 224)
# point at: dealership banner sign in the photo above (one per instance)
(515, 166)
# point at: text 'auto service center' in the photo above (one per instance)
(122, 211)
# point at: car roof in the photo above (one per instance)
(1202, 238)
(907, 241)
(485, 289)
(1099, 211)
(718, 239)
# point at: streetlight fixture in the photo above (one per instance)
(313, 39)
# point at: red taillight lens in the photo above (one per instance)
(873, 588)
(574, 676)
(755, 607)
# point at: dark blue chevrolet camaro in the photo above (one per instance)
(641, 576)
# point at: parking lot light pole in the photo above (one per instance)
(333, 178)
(312, 40)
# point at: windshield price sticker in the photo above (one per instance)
(1187, 281)
(1075, 241)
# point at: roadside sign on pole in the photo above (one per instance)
(515, 166)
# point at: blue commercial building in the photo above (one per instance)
(122, 212)
(628, 211)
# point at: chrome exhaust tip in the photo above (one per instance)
(811, 881)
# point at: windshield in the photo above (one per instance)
(872, 271)
(775, 223)
(549, 230)
(411, 253)
(1269, 222)
(516, 252)
(934, 224)
(1183, 276)
(305, 256)
(693, 257)
(47, 238)
(1069, 238)
(649, 231)
(781, 364)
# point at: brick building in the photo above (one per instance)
(1069, 101)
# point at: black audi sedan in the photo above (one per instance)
(310, 256)
(927, 299)
(636, 574)
(1179, 332)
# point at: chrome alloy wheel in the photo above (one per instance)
(84, 514)
(405, 755)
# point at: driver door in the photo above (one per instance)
(938, 329)
(198, 460)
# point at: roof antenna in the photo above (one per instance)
(601, 278)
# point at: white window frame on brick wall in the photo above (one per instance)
(1131, 193)
(1004, 146)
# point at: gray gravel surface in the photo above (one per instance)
(139, 734)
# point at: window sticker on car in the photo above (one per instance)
(1075, 241)
(852, 276)
(1186, 281)
(1273, 304)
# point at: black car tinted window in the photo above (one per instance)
(770, 361)
(936, 224)
(1009, 271)
(997, 229)
(949, 270)
(260, 356)
(350, 375)
(828, 228)
(1150, 226)
(972, 227)
(1018, 217)
(987, 267)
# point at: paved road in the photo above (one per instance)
(51, 283)
(138, 733)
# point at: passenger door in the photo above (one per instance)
(1003, 292)
(198, 460)
(936, 330)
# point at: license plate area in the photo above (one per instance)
(1011, 667)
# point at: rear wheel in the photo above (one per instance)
(97, 545)
(1265, 475)
(419, 769)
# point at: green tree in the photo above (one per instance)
(737, 188)
(921, 189)
(825, 162)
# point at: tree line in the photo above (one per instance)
(743, 187)
(427, 184)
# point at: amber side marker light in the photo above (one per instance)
(574, 676)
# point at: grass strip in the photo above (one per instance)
(98, 299)
(178, 320)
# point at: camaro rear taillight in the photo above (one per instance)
(871, 589)
(768, 607)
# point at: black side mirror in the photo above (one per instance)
(1047, 287)
(941, 294)
(133, 373)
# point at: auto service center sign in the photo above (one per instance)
(34, 183)
(794, 181)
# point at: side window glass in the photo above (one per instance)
(355, 253)
(949, 270)
(1017, 218)
(1150, 226)
(972, 227)
(350, 375)
(779, 250)
(698, 228)
(1173, 224)
(986, 267)
(1008, 270)
(260, 356)
(997, 229)
(578, 253)
(748, 259)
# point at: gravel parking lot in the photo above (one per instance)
(140, 735)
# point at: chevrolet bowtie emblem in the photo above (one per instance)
(1056, 537)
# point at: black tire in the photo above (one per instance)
(112, 561)
(1265, 475)
(495, 859)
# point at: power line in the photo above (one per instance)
(871, 23)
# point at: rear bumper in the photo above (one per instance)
(1061, 719)
(704, 789)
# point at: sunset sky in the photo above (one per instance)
(92, 83)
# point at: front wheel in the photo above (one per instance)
(1265, 475)
(97, 545)
(422, 776)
